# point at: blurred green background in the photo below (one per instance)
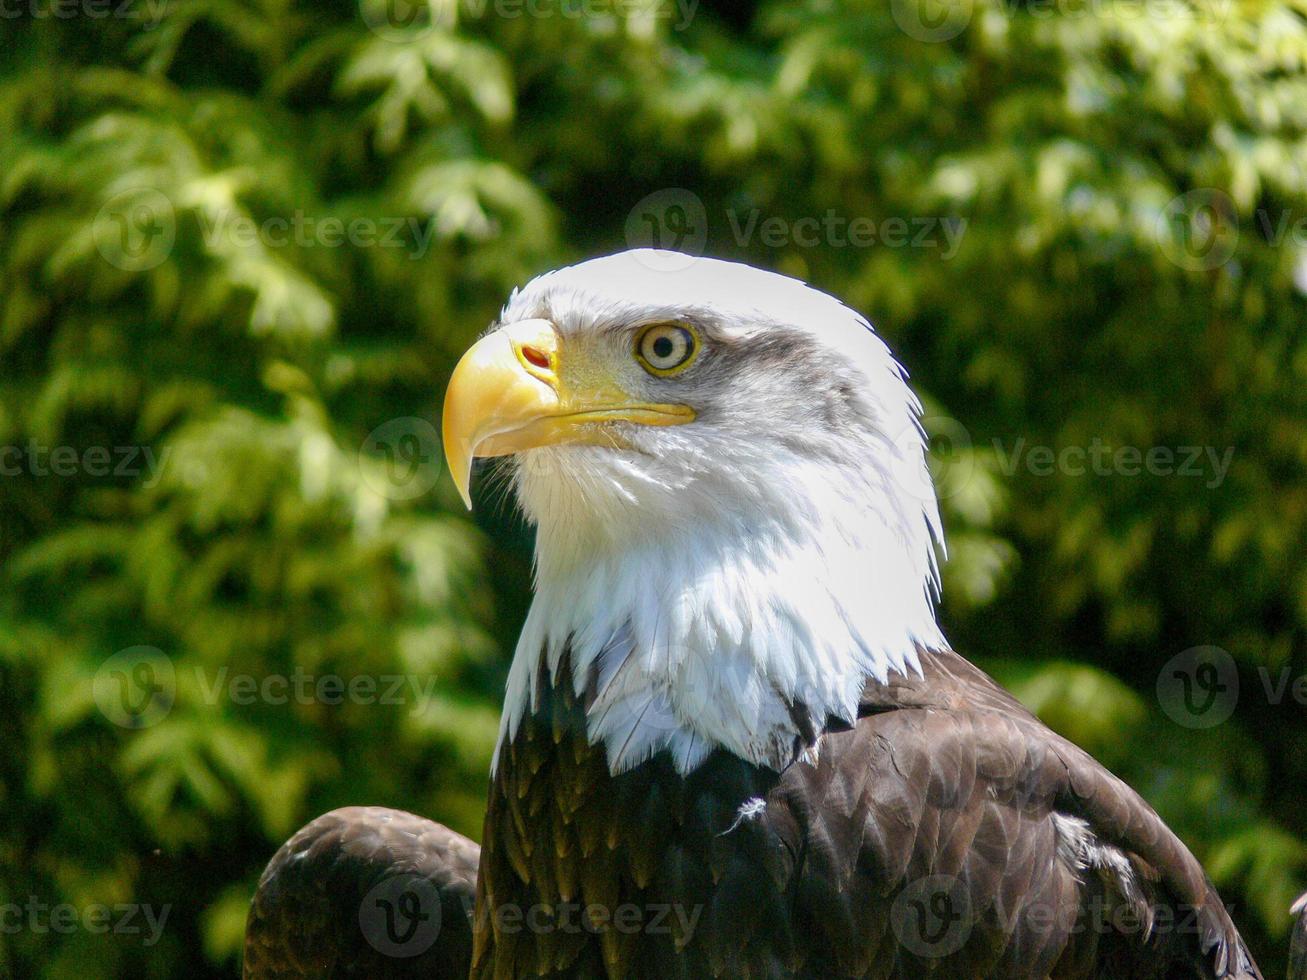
(242, 244)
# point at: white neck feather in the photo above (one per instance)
(713, 631)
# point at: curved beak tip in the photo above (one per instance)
(458, 457)
(463, 485)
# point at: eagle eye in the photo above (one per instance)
(667, 348)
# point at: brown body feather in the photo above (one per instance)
(947, 833)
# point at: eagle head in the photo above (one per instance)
(736, 526)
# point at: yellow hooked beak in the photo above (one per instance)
(511, 392)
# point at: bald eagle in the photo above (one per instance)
(735, 742)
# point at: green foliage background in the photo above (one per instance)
(272, 539)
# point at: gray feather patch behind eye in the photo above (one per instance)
(817, 383)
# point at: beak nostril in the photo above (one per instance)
(535, 356)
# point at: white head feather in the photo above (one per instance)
(725, 577)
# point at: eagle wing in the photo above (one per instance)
(365, 892)
(1001, 848)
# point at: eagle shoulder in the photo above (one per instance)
(968, 784)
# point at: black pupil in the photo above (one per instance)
(663, 347)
